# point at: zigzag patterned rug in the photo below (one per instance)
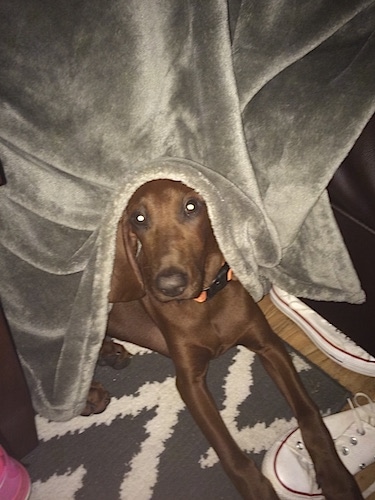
(146, 445)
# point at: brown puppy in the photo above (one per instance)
(167, 264)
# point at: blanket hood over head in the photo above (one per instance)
(253, 104)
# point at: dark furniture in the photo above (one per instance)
(352, 194)
(17, 425)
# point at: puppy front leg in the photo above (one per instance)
(332, 476)
(191, 369)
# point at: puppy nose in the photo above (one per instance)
(171, 282)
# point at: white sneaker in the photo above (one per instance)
(325, 336)
(290, 469)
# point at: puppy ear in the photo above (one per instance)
(126, 281)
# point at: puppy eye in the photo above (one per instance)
(139, 219)
(192, 206)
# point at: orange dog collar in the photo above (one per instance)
(223, 277)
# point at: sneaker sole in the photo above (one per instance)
(324, 335)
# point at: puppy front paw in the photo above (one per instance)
(97, 401)
(113, 354)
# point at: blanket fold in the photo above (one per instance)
(255, 112)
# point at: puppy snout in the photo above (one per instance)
(172, 282)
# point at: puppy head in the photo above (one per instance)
(169, 242)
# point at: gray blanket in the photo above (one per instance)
(253, 104)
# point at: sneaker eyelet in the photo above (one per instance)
(345, 450)
(353, 441)
(299, 445)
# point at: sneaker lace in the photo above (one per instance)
(362, 415)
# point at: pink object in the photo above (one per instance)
(14, 480)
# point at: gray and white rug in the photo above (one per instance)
(146, 445)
